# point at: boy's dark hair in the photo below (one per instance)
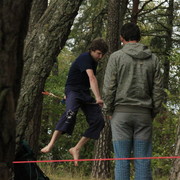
(99, 44)
(131, 32)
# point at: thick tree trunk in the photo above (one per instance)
(102, 169)
(44, 44)
(175, 171)
(13, 27)
(37, 10)
(33, 130)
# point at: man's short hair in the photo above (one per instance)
(99, 44)
(131, 32)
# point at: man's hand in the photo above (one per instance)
(109, 117)
(100, 102)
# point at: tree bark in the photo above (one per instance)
(113, 25)
(102, 169)
(135, 10)
(175, 171)
(168, 44)
(122, 11)
(44, 44)
(13, 28)
(33, 130)
(37, 11)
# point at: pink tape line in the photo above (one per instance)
(106, 159)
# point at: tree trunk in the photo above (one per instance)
(33, 130)
(175, 171)
(13, 27)
(37, 11)
(102, 169)
(169, 30)
(44, 44)
(122, 11)
(135, 10)
(113, 25)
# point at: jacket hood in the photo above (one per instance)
(137, 50)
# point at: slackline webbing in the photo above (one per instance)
(105, 159)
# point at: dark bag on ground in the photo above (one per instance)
(27, 171)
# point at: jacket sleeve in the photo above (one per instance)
(157, 93)
(110, 85)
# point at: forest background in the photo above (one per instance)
(38, 42)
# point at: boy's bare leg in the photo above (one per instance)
(76, 149)
(55, 136)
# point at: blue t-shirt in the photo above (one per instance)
(77, 77)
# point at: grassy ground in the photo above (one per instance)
(58, 173)
(69, 177)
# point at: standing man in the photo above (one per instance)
(133, 96)
(80, 79)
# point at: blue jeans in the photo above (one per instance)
(132, 132)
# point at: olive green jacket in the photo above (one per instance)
(133, 79)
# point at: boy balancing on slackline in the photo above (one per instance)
(80, 79)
